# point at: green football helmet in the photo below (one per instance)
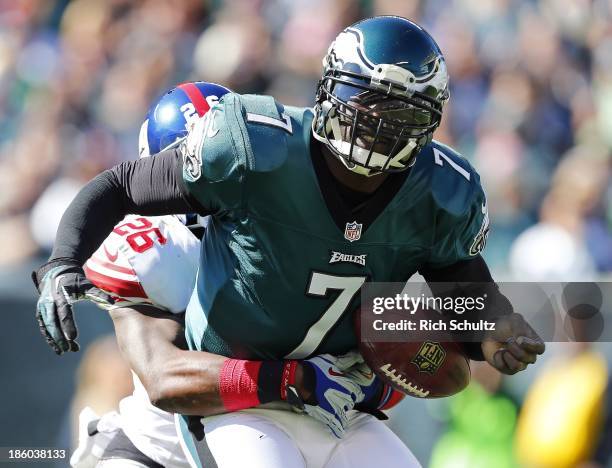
(381, 96)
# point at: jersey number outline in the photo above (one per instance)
(319, 285)
(139, 234)
(439, 156)
(284, 124)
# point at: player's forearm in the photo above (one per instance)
(186, 382)
(176, 380)
(149, 186)
(199, 383)
(192, 382)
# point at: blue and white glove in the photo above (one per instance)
(334, 393)
(61, 283)
(363, 376)
(375, 392)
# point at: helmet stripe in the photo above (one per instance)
(196, 97)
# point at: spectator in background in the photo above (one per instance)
(565, 410)
(557, 247)
(480, 422)
(530, 81)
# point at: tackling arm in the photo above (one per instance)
(148, 186)
(204, 384)
(176, 380)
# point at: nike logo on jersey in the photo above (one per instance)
(111, 257)
(347, 258)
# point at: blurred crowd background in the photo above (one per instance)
(531, 108)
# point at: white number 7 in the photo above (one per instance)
(320, 284)
(439, 155)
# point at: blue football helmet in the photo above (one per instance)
(171, 117)
(381, 96)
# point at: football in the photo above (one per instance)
(421, 369)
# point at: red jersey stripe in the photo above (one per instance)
(122, 288)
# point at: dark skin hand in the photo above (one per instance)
(512, 345)
(177, 380)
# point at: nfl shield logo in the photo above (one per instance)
(430, 357)
(352, 232)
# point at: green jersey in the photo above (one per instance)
(284, 257)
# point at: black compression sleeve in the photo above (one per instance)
(149, 186)
(469, 278)
(475, 270)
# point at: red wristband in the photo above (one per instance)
(244, 384)
(238, 384)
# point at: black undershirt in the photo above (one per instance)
(347, 205)
(352, 198)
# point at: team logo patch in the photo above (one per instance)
(480, 240)
(191, 147)
(192, 158)
(430, 357)
(192, 164)
(336, 257)
(352, 231)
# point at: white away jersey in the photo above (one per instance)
(148, 260)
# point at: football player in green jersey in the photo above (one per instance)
(306, 205)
